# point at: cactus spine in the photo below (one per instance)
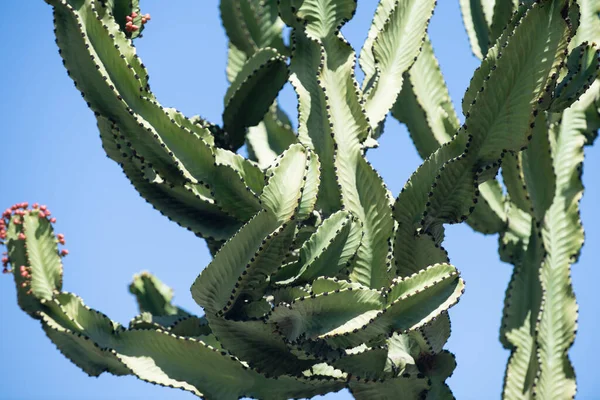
(320, 279)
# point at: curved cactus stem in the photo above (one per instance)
(451, 175)
(395, 47)
(582, 65)
(329, 249)
(424, 105)
(250, 95)
(252, 24)
(476, 24)
(154, 297)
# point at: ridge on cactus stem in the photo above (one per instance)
(322, 279)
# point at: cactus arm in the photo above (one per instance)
(329, 250)
(182, 204)
(523, 298)
(439, 368)
(155, 354)
(486, 138)
(503, 11)
(424, 105)
(514, 180)
(252, 25)
(563, 238)
(476, 25)
(34, 256)
(153, 296)
(362, 191)
(314, 130)
(395, 49)
(582, 70)
(111, 78)
(539, 175)
(250, 95)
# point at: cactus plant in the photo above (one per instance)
(320, 279)
(543, 234)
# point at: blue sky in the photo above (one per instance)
(51, 153)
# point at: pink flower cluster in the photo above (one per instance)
(130, 26)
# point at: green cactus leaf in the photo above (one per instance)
(112, 89)
(257, 343)
(414, 309)
(360, 316)
(184, 204)
(236, 59)
(314, 130)
(369, 201)
(205, 371)
(418, 253)
(213, 286)
(367, 57)
(563, 237)
(288, 294)
(41, 256)
(424, 105)
(438, 368)
(326, 313)
(250, 95)
(284, 194)
(252, 282)
(459, 176)
(484, 69)
(518, 328)
(583, 65)
(82, 351)
(270, 138)
(589, 26)
(476, 14)
(252, 24)
(122, 9)
(154, 133)
(364, 362)
(503, 13)
(514, 240)
(362, 190)
(251, 174)
(329, 249)
(514, 179)
(418, 282)
(434, 336)
(395, 49)
(33, 254)
(398, 388)
(153, 296)
(538, 169)
(323, 284)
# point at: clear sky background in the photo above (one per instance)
(50, 152)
